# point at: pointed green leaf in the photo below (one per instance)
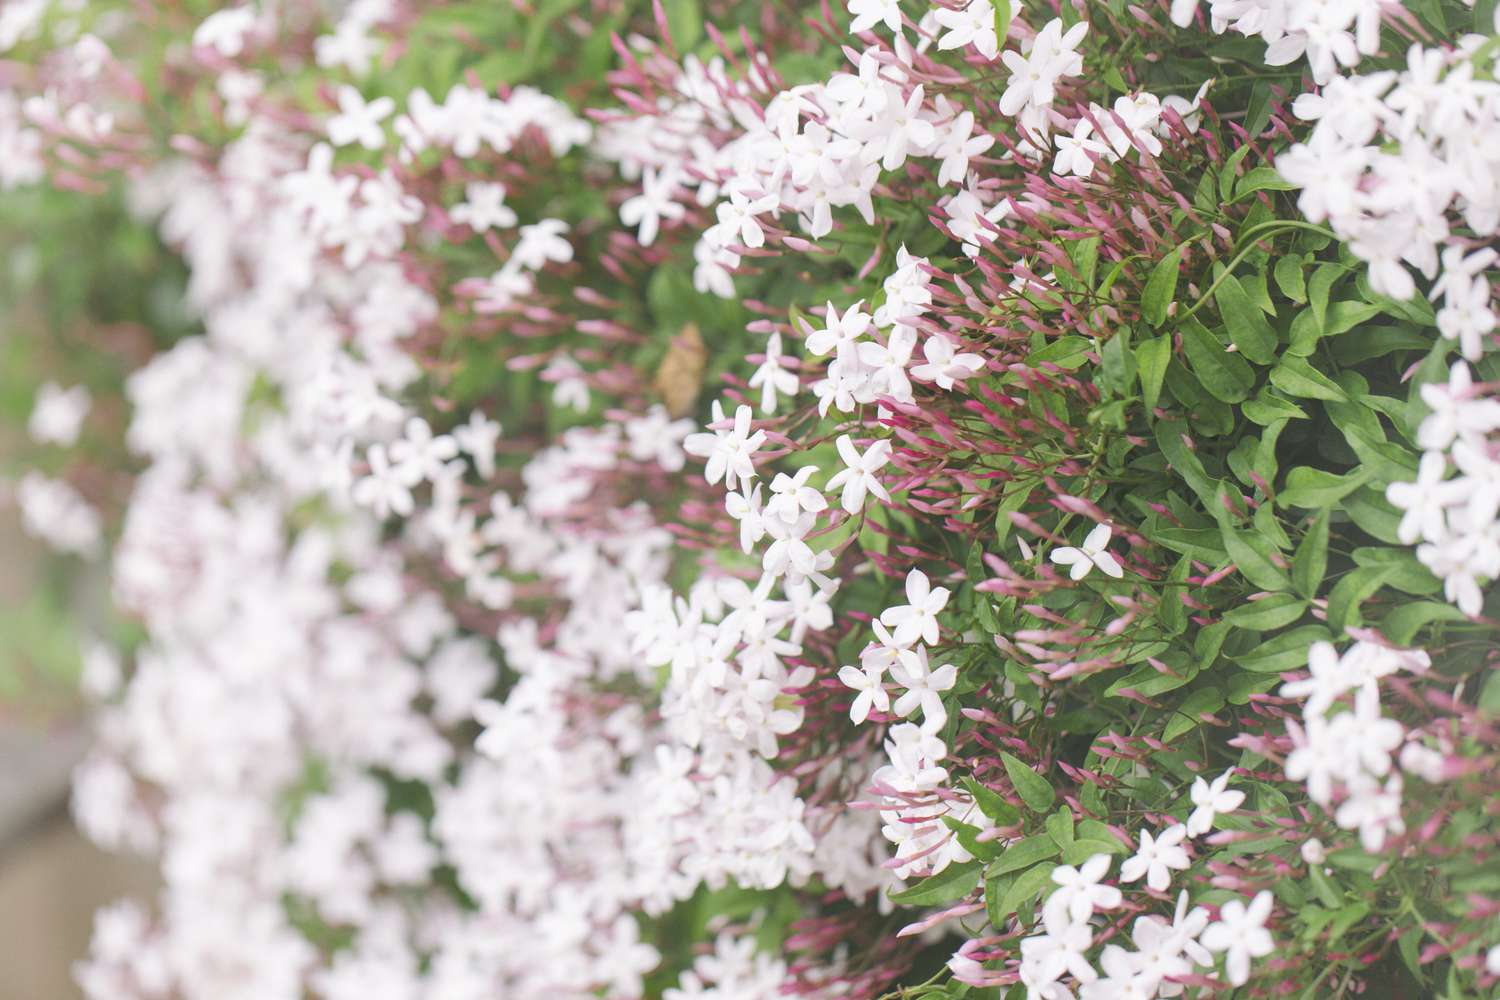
(1227, 377)
(953, 882)
(1032, 787)
(1023, 854)
(1152, 357)
(1310, 561)
(1160, 288)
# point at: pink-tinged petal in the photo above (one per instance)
(1095, 867)
(847, 452)
(916, 588)
(1109, 564)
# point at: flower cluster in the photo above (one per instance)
(696, 513)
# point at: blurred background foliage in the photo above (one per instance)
(87, 292)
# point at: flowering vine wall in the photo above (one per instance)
(750, 499)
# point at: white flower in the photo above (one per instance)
(1458, 413)
(541, 243)
(971, 25)
(224, 31)
(746, 509)
(917, 619)
(860, 476)
(1210, 800)
(654, 203)
(477, 439)
(1156, 856)
(421, 454)
(58, 414)
(945, 365)
(738, 217)
(791, 496)
(902, 129)
(358, 121)
(868, 13)
(840, 333)
(1312, 851)
(1063, 948)
(1079, 893)
(729, 452)
(956, 142)
(484, 207)
(924, 687)
(1091, 554)
(385, 490)
(872, 694)
(1240, 932)
(886, 363)
(773, 377)
(1425, 501)
(1034, 77)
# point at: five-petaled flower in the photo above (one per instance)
(1092, 553)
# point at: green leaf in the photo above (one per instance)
(1320, 286)
(1228, 173)
(1290, 279)
(1315, 489)
(1353, 588)
(1000, 812)
(1160, 288)
(1172, 610)
(1204, 701)
(1059, 827)
(1280, 653)
(1260, 179)
(1345, 316)
(1405, 571)
(1270, 612)
(1324, 888)
(1023, 854)
(1369, 509)
(1002, 20)
(953, 882)
(1025, 888)
(1247, 325)
(1079, 851)
(1186, 464)
(1403, 623)
(1296, 377)
(1310, 561)
(1378, 341)
(1118, 363)
(967, 836)
(1227, 377)
(685, 22)
(1152, 356)
(1258, 114)
(1032, 787)
(1345, 919)
(1068, 352)
(1267, 408)
(1148, 682)
(1250, 551)
(1208, 642)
